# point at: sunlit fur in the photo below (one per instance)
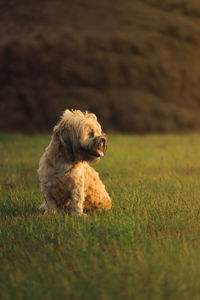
(66, 179)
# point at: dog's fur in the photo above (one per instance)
(67, 181)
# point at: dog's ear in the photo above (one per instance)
(66, 141)
(63, 135)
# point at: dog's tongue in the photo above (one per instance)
(99, 152)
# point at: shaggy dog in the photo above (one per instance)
(67, 181)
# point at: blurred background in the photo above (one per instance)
(134, 63)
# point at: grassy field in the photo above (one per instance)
(146, 247)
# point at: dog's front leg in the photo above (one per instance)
(77, 198)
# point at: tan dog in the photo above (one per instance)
(67, 181)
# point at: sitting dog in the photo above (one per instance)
(67, 181)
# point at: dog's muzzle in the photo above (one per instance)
(97, 147)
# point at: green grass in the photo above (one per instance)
(146, 247)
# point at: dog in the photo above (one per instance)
(67, 181)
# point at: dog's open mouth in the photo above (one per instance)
(94, 152)
(97, 152)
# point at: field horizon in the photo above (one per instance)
(146, 247)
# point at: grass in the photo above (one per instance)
(146, 247)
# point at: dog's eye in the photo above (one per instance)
(91, 133)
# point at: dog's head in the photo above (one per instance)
(80, 136)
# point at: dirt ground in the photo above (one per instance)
(135, 63)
